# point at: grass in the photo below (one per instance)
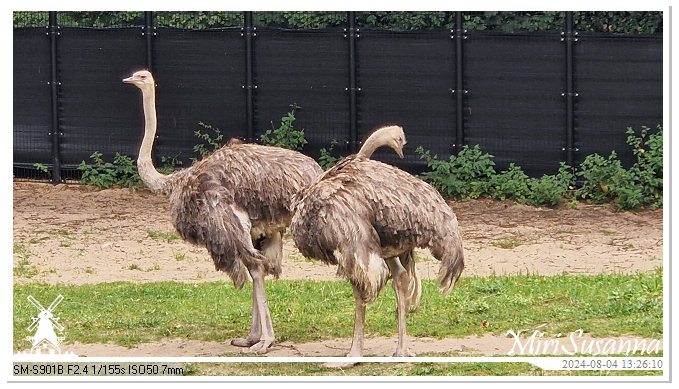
(509, 242)
(128, 313)
(23, 268)
(169, 236)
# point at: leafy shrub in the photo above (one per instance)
(211, 143)
(169, 164)
(511, 183)
(285, 136)
(122, 171)
(327, 160)
(602, 177)
(606, 179)
(551, 189)
(466, 175)
(636, 22)
(471, 174)
(648, 169)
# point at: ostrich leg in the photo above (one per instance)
(255, 328)
(261, 327)
(359, 329)
(401, 283)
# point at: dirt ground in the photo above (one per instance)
(76, 235)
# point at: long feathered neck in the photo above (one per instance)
(157, 182)
(377, 139)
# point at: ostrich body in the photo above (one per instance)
(367, 217)
(236, 203)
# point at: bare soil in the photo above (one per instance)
(74, 234)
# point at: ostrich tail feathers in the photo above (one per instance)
(449, 252)
(415, 284)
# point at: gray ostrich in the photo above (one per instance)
(366, 217)
(236, 203)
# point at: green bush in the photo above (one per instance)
(511, 183)
(467, 174)
(326, 159)
(551, 189)
(212, 141)
(122, 171)
(471, 174)
(605, 179)
(638, 22)
(285, 135)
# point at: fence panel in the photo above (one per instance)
(514, 109)
(619, 81)
(31, 108)
(200, 76)
(309, 68)
(407, 78)
(97, 112)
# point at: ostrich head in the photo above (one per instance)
(391, 136)
(141, 79)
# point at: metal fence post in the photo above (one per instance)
(352, 33)
(55, 132)
(459, 91)
(569, 37)
(149, 33)
(249, 31)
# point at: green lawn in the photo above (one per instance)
(129, 313)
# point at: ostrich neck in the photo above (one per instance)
(147, 171)
(373, 142)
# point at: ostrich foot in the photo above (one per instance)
(259, 347)
(403, 353)
(244, 342)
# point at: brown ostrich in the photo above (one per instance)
(366, 217)
(236, 203)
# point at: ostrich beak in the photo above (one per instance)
(399, 150)
(128, 80)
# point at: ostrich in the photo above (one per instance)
(236, 203)
(367, 217)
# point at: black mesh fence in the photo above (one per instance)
(514, 109)
(513, 105)
(619, 83)
(307, 68)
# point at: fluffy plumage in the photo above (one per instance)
(235, 202)
(366, 217)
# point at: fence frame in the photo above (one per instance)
(458, 35)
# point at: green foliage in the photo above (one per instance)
(514, 21)
(471, 174)
(638, 22)
(129, 313)
(648, 169)
(464, 175)
(285, 135)
(512, 182)
(602, 177)
(327, 160)
(606, 180)
(169, 164)
(551, 189)
(212, 139)
(103, 174)
(40, 167)
(418, 20)
(299, 19)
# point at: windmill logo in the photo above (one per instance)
(45, 323)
